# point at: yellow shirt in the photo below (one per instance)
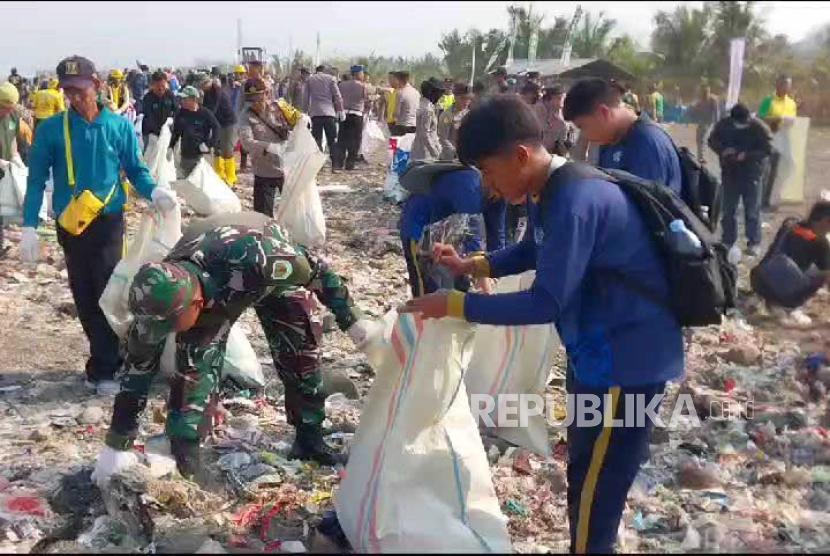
(776, 107)
(47, 103)
(391, 106)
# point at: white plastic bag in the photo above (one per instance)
(373, 139)
(514, 360)
(13, 193)
(393, 190)
(206, 193)
(241, 362)
(162, 170)
(418, 479)
(300, 209)
(156, 236)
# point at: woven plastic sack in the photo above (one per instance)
(206, 193)
(156, 236)
(300, 209)
(418, 480)
(513, 360)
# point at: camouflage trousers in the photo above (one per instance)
(293, 339)
(192, 387)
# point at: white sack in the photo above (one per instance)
(13, 193)
(300, 209)
(418, 479)
(241, 362)
(513, 360)
(156, 236)
(206, 193)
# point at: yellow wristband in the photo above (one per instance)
(455, 304)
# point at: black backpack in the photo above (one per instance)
(700, 189)
(701, 288)
(421, 174)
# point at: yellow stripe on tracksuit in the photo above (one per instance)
(589, 486)
(413, 246)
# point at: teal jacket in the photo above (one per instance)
(100, 150)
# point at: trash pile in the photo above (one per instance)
(754, 476)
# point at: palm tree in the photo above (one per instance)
(682, 37)
(734, 20)
(591, 38)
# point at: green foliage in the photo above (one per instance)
(592, 37)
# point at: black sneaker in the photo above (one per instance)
(310, 446)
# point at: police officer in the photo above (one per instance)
(221, 266)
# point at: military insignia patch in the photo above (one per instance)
(282, 270)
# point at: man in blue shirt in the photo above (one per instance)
(628, 142)
(619, 343)
(101, 145)
(457, 192)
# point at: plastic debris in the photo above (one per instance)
(513, 507)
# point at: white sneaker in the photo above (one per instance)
(108, 387)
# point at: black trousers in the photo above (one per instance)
(321, 124)
(398, 130)
(264, 192)
(90, 259)
(348, 141)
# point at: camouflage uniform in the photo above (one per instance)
(241, 260)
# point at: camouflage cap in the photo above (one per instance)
(162, 291)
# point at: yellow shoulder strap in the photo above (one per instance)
(67, 140)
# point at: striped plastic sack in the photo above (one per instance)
(418, 479)
(513, 360)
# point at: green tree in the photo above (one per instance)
(734, 20)
(458, 51)
(627, 53)
(592, 36)
(551, 39)
(682, 38)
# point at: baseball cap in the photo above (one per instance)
(161, 291)
(255, 88)
(76, 71)
(189, 92)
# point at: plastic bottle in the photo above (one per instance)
(683, 239)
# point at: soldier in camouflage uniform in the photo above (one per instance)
(221, 266)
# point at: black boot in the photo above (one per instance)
(310, 446)
(188, 457)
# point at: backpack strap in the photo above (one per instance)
(573, 171)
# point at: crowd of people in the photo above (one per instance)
(497, 157)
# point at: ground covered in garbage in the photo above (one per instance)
(758, 479)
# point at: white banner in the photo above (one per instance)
(736, 70)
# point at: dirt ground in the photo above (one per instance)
(44, 436)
